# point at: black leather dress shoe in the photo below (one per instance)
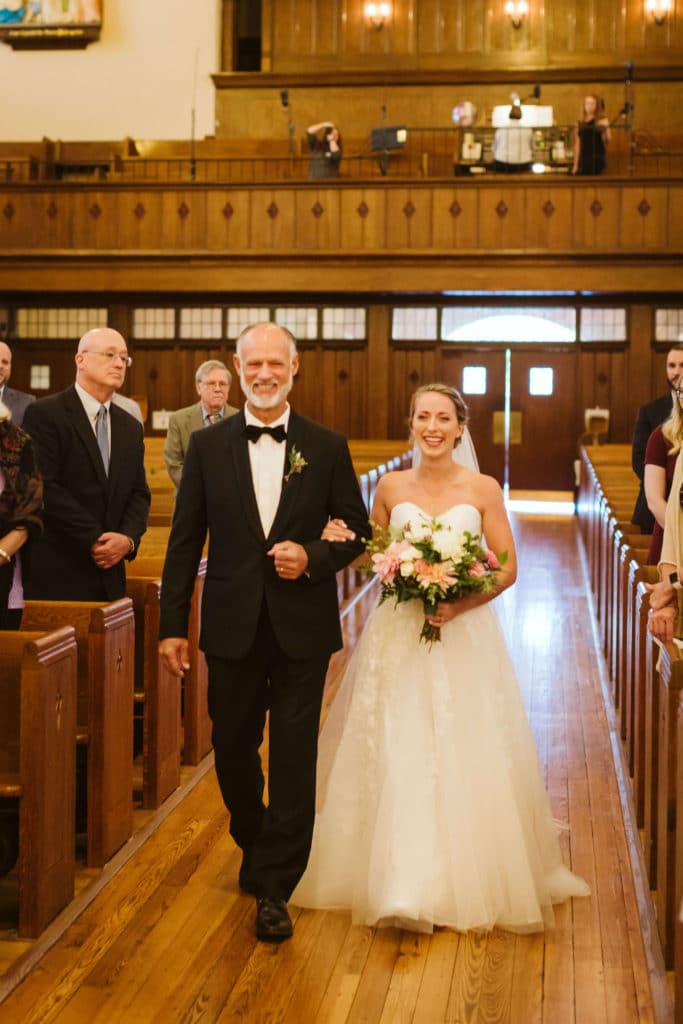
(273, 923)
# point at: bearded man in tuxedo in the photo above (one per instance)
(263, 483)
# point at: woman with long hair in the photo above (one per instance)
(591, 137)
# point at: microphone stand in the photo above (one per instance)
(193, 155)
(627, 112)
(193, 159)
(291, 130)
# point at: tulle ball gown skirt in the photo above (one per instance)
(432, 808)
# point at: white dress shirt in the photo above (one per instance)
(267, 460)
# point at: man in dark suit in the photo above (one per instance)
(652, 415)
(270, 617)
(16, 401)
(90, 453)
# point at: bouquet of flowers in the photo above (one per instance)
(432, 562)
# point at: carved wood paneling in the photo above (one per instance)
(450, 33)
(499, 216)
(644, 217)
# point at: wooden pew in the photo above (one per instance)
(105, 635)
(626, 548)
(648, 690)
(678, 881)
(196, 721)
(38, 766)
(639, 667)
(667, 824)
(157, 693)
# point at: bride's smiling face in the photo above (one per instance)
(435, 425)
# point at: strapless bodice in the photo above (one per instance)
(459, 517)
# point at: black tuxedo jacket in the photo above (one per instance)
(216, 493)
(17, 402)
(651, 415)
(81, 501)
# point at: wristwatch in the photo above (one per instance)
(675, 582)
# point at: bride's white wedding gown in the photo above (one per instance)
(432, 808)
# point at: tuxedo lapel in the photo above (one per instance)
(234, 429)
(85, 432)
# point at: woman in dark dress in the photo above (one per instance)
(21, 509)
(590, 139)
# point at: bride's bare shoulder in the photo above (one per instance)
(487, 486)
(395, 479)
(391, 486)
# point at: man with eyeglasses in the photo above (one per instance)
(650, 416)
(91, 455)
(212, 381)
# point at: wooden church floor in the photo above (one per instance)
(170, 938)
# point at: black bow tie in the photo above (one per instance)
(253, 432)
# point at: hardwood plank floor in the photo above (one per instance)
(170, 939)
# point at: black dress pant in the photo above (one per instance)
(276, 839)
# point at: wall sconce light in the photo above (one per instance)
(377, 14)
(516, 11)
(658, 9)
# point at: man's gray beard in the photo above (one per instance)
(266, 403)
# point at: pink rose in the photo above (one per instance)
(477, 569)
(492, 560)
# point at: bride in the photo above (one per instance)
(431, 804)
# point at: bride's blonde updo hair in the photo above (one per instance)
(448, 392)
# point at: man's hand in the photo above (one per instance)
(109, 549)
(175, 652)
(661, 623)
(662, 595)
(291, 560)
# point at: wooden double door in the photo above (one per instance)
(544, 427)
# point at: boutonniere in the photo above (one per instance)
(296, 463)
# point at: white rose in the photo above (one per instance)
(449, 543)
(407, 561)
(418, 532)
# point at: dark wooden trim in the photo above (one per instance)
(411, 272)
(453, 76)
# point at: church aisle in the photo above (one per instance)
(171, 938)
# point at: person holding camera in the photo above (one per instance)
(326, 150)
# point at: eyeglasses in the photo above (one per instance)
(110, 356)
